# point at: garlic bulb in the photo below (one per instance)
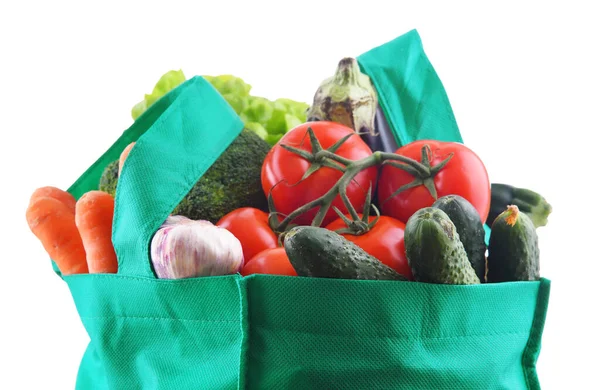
(184, 248)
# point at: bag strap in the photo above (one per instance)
(410, 92)
(187, 130)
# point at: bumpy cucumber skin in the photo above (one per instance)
(434, 251)
(322, 253)
(513, 252)
(469, 227)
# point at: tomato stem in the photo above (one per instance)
(423, 172)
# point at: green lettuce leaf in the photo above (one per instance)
(167, 82)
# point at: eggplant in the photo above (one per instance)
(383, 140)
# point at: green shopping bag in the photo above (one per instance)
(275, 332)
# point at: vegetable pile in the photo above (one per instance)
(302, 192)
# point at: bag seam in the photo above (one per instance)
(401, 336)
(158, 319)
(533, 346)
(245, 338)
(143, 279)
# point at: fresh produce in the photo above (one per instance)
(434, 250)
(295, 172)
(383, 139)
(304, 193)
(167, 82)
(270, 261)
(318, 252)
(382, 237)
(53, 223)
(268, 119)
(109, 178)
(251, 227)
(513, 252)
(348, 98)
(186, 249)
(470, 230)
(53, 192)
(124, 155)
(528, 202)
(450, 169)
(94, 216)
(232, 182)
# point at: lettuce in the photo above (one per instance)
(269, 119)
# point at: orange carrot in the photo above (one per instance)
(94, 217)
(124, 155)
(53, 223)
(56, 193)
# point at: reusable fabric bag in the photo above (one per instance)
(276, 332)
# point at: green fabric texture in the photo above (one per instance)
(410, 92)
(276, 332)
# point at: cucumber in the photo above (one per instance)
(322, 253)
(434, 251)
(469, 227)
(528, 202)
(513, 252)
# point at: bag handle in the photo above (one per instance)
(410, 92)
(187, 130)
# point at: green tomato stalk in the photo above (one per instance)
(422, 171)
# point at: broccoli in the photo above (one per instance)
(233, 181)
(108, 180)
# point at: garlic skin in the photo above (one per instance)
(184, 248)
(180, 219)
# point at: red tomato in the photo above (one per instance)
(385, 241)
(270, 261)
(281, 164)
(464, 175)
(251, 227)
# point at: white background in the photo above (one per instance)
(522, 79)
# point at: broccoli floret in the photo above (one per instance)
(108, 180)
(233, 181)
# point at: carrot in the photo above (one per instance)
(53, 223)
(56, 193)
(124, 155)
(94, 217)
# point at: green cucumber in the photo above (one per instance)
(469, 227)
(434, 251)
(322, 253)
(513, 252)
(528, 201)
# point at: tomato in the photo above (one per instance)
(270, 261)
(464, 175)
(251, 227)
(385, 242)
(282, 171)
